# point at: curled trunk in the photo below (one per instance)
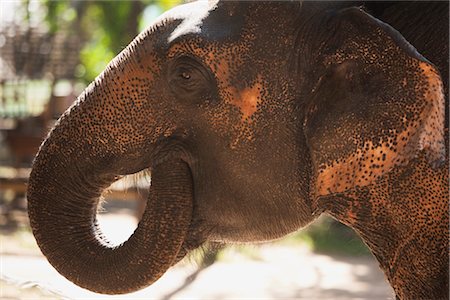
(62, 201)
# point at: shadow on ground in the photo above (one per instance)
(268, 271)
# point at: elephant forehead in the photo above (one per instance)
(212, 20)
(191, 16)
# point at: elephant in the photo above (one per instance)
(254, 118)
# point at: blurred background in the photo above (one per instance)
(49, 52)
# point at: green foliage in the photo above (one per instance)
(114, 18)
(107, 27)
(98, 50)
(94, 56)
(331, 237)
(59, 13)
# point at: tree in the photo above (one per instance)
(106, 27)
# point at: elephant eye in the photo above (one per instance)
(185, 75)
(189, 80)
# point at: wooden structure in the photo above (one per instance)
(30, 58)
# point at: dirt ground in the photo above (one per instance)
(269, 271)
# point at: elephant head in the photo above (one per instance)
(251, 124)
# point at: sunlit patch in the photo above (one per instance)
(432, 133)
(191, 14)
(122, 207)
(360, 168)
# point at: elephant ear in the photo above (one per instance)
(377, 105)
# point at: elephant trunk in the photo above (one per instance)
(82, 156)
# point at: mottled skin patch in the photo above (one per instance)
(252, 117)
(372, 161)
(404, 225)
(247, 100)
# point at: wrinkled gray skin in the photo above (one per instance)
(253, 119)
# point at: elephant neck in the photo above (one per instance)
(403, 219)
